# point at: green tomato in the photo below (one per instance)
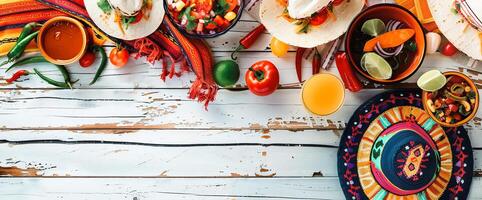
(226, 73)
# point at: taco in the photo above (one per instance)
(308, 23)
(460, 21)
(126, 19)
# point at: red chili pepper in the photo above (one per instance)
(17, 75)
(298, 62)
(316, 62)
(346, 72)
(249, 39)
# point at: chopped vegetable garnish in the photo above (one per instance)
(204, 16)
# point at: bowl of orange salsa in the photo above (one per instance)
(62, 40)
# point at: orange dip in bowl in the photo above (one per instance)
(63, 40)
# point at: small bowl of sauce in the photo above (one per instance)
(62, 40)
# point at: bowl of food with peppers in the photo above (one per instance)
(385, 43)
(455, 103)
(204, 18)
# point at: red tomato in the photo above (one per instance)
(449, 49)
(118, 56)
(262, 78)
(337, 2)
(453, 108)
(138, 17)
(219, 20)
(319, 17)
(211, 26)
(87, 59)
(203, 5)
(449, 101)
(232, 4)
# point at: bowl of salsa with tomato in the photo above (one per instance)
(204, 18)
(455, 104)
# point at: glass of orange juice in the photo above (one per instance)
(323, 94)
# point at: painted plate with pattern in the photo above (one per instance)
(392, 149)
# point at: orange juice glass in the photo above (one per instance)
(323, 94)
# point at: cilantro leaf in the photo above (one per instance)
(104, 6)
(221, 7)
(127, 20)
(191, 25)
(186, 12)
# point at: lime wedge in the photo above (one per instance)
(432, 80)
(373, 27)
(376, 66)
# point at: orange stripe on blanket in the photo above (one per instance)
(34, 16)
(20, 6)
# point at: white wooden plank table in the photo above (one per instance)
(132, 136)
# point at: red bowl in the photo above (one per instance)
(386, 12)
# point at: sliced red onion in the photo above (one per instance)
(393, 25)
(383, 53)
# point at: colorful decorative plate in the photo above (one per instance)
(392, 149)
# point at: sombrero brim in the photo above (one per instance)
(355, 176)
(453, 27)
(270, 12)
(141, 29)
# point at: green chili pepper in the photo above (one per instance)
(19, 48)
(51, 81)
(27, 29)
(103, 63)
(29, 60)
(65, 74)
(66, 84)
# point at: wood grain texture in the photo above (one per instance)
(168, 109)
(180, 188)
(176, 153)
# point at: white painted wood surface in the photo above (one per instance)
(132, 136)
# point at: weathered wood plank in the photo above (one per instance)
(176, 153)
(167, 109)
(69, 159)
(167, 188)
(185, 188)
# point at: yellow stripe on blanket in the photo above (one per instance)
(8, 38)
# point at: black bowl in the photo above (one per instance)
(194, 35)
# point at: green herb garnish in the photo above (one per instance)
(190, 19)
(104, 6)
(127, 20)
(221, 7)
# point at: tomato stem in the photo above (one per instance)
(258, 74)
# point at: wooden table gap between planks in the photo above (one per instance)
(132, 136)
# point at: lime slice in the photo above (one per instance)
(373, 27)
(376, 66)
(432, 80)
(362, 63)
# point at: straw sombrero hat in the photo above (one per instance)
(126, 19)
(271, 12)
(463, 28)
(392, 149)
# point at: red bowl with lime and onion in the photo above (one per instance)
(382, 36)
(204, 18)
(455, 104)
